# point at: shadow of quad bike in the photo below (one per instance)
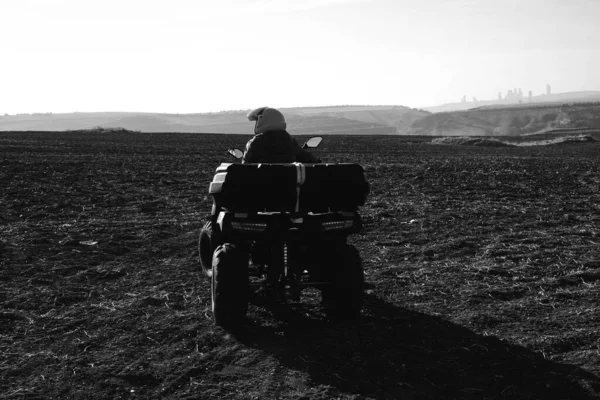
(395, 353)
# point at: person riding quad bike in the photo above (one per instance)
(271, 142)
(281, 221)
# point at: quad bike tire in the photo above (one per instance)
(229, 286)
(207, 243)
(343, 296)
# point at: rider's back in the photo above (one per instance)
(271, 142)
(276, 147)
(271, 147)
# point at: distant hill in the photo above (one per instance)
(502, 121)
(301, 121)
(558, 98)
(487, 120)
(398, 117)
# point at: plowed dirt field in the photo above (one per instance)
(482, 269)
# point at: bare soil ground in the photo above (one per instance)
(482, 265)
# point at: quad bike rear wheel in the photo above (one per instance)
(229, 286)
(207, 243)
(343, 297)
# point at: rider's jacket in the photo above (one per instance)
(276, 147)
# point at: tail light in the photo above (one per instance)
(337, 225)
(248, 226)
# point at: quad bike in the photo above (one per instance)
(283, 227)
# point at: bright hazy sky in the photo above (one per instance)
(183, 56)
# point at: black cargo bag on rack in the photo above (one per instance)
(289, 187)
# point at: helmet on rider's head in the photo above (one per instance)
(267, 119)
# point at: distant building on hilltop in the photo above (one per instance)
(513, 95)
(548, 90)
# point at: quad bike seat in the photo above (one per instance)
(294, 188)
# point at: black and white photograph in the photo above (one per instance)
(300, 200)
